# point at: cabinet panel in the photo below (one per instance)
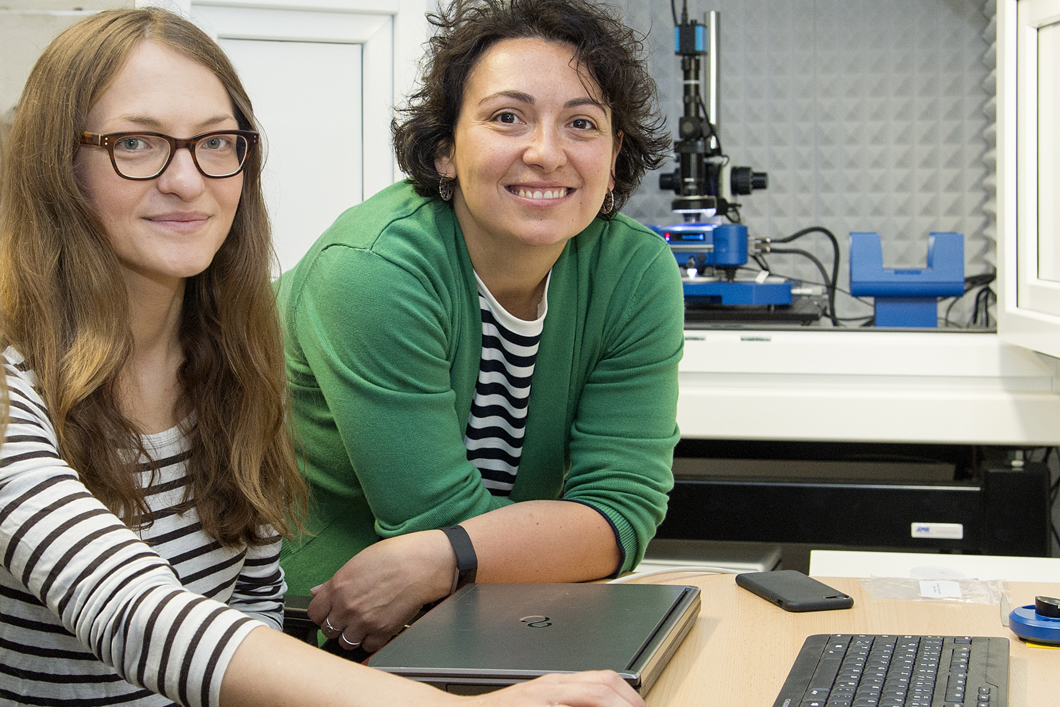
(312, 123)
(324, 76)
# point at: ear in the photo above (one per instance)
(614, 159)
(443, 162)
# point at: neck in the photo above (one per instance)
(149, 384)
(516, 299)
(514, 273)
(154, 312)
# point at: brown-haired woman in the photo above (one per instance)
(146, 472)
(483, 359)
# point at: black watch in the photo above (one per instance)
(466, 559)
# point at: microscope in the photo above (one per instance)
(710, 251)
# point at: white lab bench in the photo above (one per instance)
(867, 386)
(788, 399)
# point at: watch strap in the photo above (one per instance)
(466, 559)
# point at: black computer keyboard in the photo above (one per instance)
(865, 670)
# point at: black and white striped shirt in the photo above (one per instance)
(93, 613)
(497, 423)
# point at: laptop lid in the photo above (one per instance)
(487, 636)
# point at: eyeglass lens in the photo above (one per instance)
(217, 155)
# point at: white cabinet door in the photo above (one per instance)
(312, 125)
(324, 76)
(1029, 173)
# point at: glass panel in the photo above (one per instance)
(1049, 153)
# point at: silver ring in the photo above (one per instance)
(348, 642)
(328, 627)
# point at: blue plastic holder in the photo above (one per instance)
(907, 298)
(1029, 625)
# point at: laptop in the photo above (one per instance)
(487, 636)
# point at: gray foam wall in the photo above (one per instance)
(868, 115)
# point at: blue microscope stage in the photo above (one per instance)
(722, 249)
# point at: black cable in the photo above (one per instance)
(978, 305)
(824, 273)
(981, 302)
(839, 290)
(835, 259)
(673, 11)
(986, 294)
(946, 318)
(1054, 493)
(710, 124)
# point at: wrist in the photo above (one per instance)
(464, 553)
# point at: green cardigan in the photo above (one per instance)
(383, 338)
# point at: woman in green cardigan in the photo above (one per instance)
(483, 359)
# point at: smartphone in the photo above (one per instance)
(793, 591)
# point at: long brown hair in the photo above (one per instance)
(64, 306)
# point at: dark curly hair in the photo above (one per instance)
(611, 53)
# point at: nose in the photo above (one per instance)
(545, 149)
(182, 177)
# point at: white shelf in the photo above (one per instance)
(867, 386)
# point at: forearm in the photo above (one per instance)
(270, 668)
(543, 541)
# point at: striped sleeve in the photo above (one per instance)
(260, 586)
(122, 601)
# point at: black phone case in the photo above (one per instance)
(793, 591)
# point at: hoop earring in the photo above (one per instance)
(445, 188)
(609, 202)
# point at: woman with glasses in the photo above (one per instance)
(483, 359)
(146, 473)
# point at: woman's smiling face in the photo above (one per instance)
(534, 149)
(168, 228)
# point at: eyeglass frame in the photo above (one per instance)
(107, 141)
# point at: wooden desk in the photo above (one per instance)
(741, 647)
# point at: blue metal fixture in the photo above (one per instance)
(907, 298)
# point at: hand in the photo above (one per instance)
(601, 688)
(374, 595)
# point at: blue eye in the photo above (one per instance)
(216, 142)
(132, 143)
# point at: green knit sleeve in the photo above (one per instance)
(376, 335)
(625, 426)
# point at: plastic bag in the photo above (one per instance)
(960, 590)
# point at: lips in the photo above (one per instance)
(180, 220)
(180, 216)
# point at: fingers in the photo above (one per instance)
(320, 606)
(589, 689)
(373, 596)
(329, 630)
(347, 643)
(356, 634)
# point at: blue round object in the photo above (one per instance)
(1029, 625)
